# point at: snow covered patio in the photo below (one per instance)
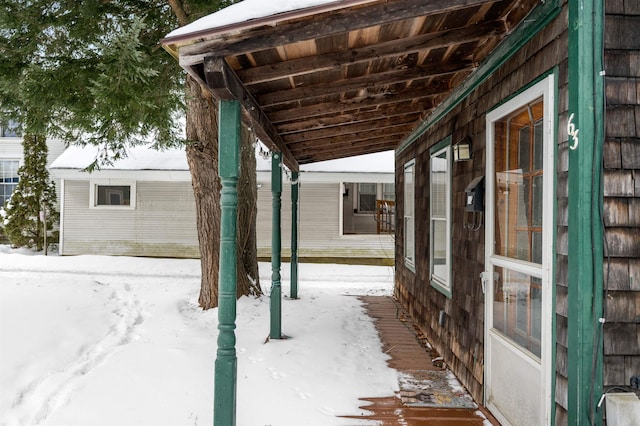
(119, 341)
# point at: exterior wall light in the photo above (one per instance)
(462, 150)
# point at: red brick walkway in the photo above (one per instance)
(404, 342)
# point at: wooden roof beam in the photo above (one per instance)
(386, 49)
(331, 23)
(422, 97)
(363, 136)
(352, 129)
(370, 81)
(225, 84)
(348, 119)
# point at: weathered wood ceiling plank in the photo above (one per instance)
(397, 124)
(420, 99)
(349, 81)
(392, 48)
(344, 119)
(369, 81)
(353, 137)
(335, 22)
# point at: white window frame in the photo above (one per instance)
(93, 193)
(441, 283)
(409, 216)
(359, 193)
(13, 159)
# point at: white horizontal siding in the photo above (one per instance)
(319, 228)
(162, 224)
(10, 148)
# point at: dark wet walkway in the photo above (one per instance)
(410, 352)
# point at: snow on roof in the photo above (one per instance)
(139, 158)
(248, 10)
(145, 158)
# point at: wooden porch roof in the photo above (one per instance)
(345, 78)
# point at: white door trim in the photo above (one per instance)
(546, 89)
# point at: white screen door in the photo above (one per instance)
(519, 230)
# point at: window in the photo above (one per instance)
(440, 217)
(11, 130)
(520, 224)
(8, 179)
(367, 197)
(389, 191)
(518, 221)
(112, 195)
(409, 215)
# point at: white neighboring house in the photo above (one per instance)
(12, 157)
(143, 206)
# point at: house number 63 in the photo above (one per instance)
(573, 133)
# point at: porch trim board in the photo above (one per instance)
(585, 260)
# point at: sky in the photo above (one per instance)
(121, 341)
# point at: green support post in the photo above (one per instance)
(295, 187)
(585, 254)
(226, 367)
(276, 247)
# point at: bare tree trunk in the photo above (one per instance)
(248, 279)
(202, 156)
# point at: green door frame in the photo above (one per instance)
(585, 260)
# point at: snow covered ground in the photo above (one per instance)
(117, 341)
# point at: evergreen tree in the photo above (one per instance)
(92, 72)
(34, 193)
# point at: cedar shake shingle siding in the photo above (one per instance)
(622, 192)
(461, 340)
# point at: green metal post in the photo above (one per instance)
(295, 186)
(224, 413)
(276, 247)
(585, 258)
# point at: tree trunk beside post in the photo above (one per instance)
(202, 156)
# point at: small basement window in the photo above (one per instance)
(112, 195)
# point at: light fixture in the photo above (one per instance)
(462, 150)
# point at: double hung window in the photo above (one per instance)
(409, 214)
(440, 217)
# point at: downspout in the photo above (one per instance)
(585, 260)
(226, 365)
